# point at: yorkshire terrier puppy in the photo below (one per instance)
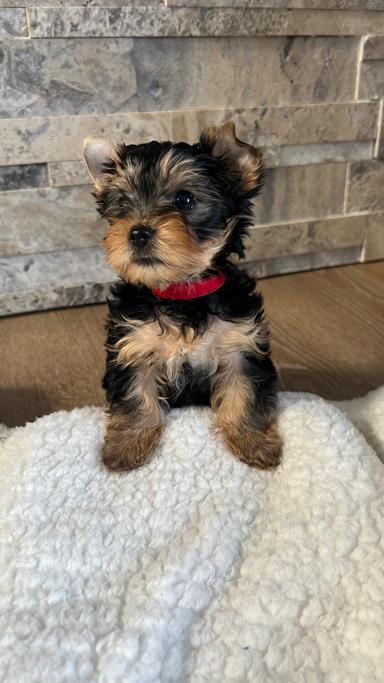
(185, 324)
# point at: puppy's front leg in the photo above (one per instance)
(134, 423)
(244, 398)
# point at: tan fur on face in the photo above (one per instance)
(181, 256)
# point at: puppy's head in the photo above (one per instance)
(174, 210)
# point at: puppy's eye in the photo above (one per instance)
(184, 200)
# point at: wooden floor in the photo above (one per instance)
(327, 327)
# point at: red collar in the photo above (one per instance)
(191, 289)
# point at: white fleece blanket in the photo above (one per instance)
(194, 568)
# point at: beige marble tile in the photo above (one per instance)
(365, 189)
(374, 46)
(63, 173)
(301, 262)
(62, 22)
(39, 78)
(301, 155)
(373, 249)
(60, 138)
(371, 78)
(51, 280)
(106, 75)
(283, 4)
(305, 237)
(182, 73)
(299, 192)
(371, 85)
(93, 3)
(13, 23)
(285, 125)
(48, 219)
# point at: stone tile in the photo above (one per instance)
(13, 23)
(292, 193)
(301, 155)
(337, 22)
(60, 296)
(285, 125)
(60, 138)
(48, 219)
(294, 70)
(373, 249)
(378, 150)
(38, 78)
(83, 3)
(283, 4)
(295, 264)
(54, 279)
(306, 237)
(374, 47)
(62, 22)
(371, 81)
(23, 176)
(29, 272)
(365, 186)
(371, 84)
(62, 173)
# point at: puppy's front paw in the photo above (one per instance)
(254, 447)
(128, 449)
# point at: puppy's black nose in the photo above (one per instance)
(141, 235)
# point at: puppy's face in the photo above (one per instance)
(173, 208)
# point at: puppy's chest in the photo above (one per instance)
(168, 347)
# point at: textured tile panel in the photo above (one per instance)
(62, 22)
(48, 219)
(23, 176)
(292, 193)
(306, 237)
(366, 186)
(60, 138)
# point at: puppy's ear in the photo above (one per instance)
(245, 161)
(101, 157)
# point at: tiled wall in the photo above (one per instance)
(303, 79)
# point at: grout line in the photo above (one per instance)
(200, 110)
(380, 123)
(346, 189)
(363, 250)
(360, 55)
(323, 219)
(28, 22)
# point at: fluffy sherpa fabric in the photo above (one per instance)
(195, 568)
